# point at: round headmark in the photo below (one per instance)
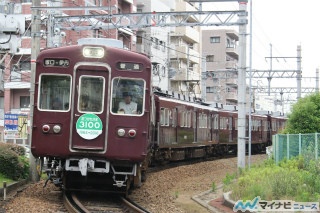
(89, 126)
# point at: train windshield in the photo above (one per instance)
(54, 92)
(91, 92)
(127, 96)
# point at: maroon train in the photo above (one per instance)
(90, 143)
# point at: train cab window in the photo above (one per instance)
(54, 92)
(91, 94)
(127, 96)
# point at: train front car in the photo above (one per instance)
(91, 116)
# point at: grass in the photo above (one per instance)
(297, 179)
(4, 179)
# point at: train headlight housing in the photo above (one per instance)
(93, 52)
(132, 133)
(56, 129)
(45, 128)
(121, 132)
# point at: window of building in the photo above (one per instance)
(215, 39)
(210, 89)
(24, 101)
(209, 58)
(139, 39)
(25, 65)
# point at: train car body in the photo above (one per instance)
(77, 122)
(185, 129)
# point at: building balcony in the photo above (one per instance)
(182, 6)
(232, 82)
(185, 53)
(188, 34)
(231, 64)
(231, 96)
(232, 52)
(233, 35)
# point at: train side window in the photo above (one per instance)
(54, 92)
(127, 96)
(203, 120)
(223, 122)
(182, 119)
(194, 119)
(230, 123)
(189, 119)
(216, 122)
(164, 117)
(174, 117)
(236, 123)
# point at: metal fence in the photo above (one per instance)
(292, 145)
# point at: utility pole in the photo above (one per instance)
(242, 86)
(35, 49)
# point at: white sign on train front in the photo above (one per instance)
(89, 126)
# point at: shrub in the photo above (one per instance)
(13, 162)
(293, 179)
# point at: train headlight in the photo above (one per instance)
(56, 129)
(45, 128)
(132, 133)
(93, 52)
(121, 132)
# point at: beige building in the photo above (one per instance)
(219, 47)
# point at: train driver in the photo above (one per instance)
(127, 106)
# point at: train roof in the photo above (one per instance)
(185, 100)
(213, 106)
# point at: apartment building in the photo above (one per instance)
(219, 47)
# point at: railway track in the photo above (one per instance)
(76, 202)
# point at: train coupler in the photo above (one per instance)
(120, 183)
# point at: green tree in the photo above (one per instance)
(305, 115)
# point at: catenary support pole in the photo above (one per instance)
(242, 86)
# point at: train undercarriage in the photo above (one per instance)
(167, 154)
(83, 174)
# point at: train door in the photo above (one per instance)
(89, 108)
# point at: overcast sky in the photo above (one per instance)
(284, 24)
